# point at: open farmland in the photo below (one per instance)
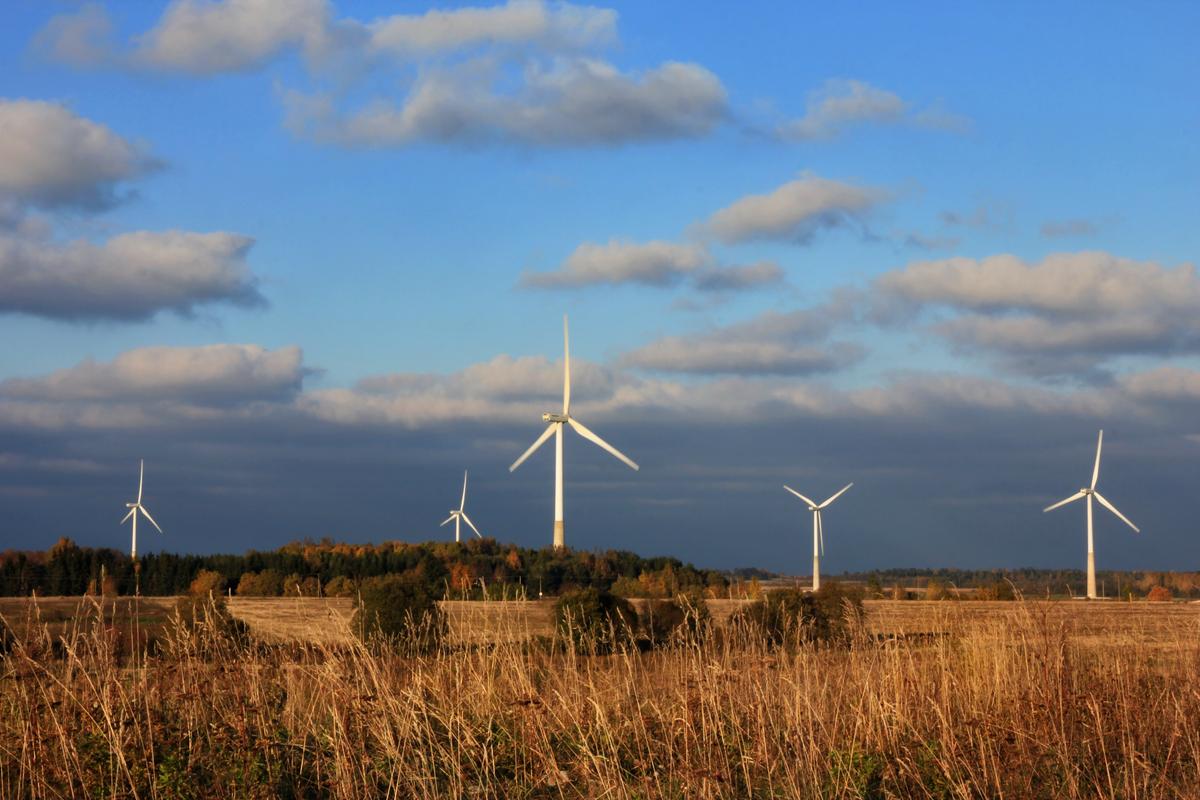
(1016, 700)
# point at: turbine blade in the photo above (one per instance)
(836, 496)
(448, 519)
(467, 520)
(588, 434)
(141, 475)
(127, 516)
(1072, 498)
(1113, 509)
(1096, 469)
(546, 434)
(802, 497)
(463, 503)
(566, 369)
(147, 515)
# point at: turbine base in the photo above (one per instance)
(1091, 578)
(558, 535)
(816, 573)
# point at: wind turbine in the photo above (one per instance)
(133, 513)
(818, 531)
(459, 516)
(555, 428)
(1089, 492)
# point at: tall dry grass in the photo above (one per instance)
(1011, 706)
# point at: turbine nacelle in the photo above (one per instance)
(550, 416)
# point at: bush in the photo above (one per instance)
(267, 583)
(1159, 594)
(683, 620)
(341, 586)
(400, 608)
(593, 620)
(792, 617)
(207, 582)
(296, 585)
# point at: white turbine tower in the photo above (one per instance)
(1089, 492)
(555, 428)
(459, 516)
(133, 513)
(818, 531)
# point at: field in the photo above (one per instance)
(927, 700)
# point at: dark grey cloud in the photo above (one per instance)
(53, 158)
(948, 470)
(129, 277)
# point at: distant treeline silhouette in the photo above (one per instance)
(469, 569)
(486, 567)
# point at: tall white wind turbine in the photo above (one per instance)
(459, 516)
(555, 428)
(1089, 492)
(134, 508)
(818, 530)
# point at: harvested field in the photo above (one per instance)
(318, 620)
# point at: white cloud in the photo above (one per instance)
(840, 104)
(572, 102)
(739, 277)
(794, 211)
(654, 263)
(205, 37)
(211, 373)
(128, 277)
(52, 157)
(772, 343)
(1064, 314)
(558, 26)
(80, 38)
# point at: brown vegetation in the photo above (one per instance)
(927, 699)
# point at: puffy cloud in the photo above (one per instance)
(840, 104)
(794, 211)
(739, 277)
(80, 38)
(1171, 384)
(52, 157)
(1073, 308)
(128, 277)
(570, 103)
(651, 263)
(559, 26)
(203, 37)
(218, 373)
(771, 344)
(655, 263)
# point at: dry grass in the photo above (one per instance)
(1024, 700)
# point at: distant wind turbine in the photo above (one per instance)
(1089, 492)
(460, 516)
(556, 429)
(134, 508)
(818, 531)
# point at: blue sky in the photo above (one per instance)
(930, 250)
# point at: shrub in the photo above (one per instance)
(341, 586)
(791, 617)
(267, 583)
(682, 620)
(1159, 594)
(400, 608)
(207, 582)
(296, 585)
(593, 620)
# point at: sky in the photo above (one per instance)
(310, 261)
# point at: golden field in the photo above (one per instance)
(927, 700)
